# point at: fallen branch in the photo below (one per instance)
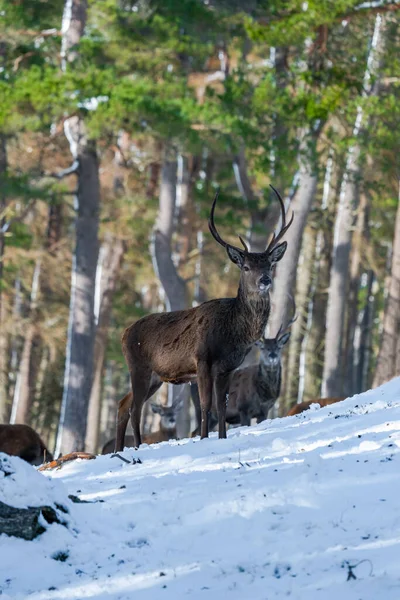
(66, 458)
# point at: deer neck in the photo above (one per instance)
(253, 311)
(270, 377)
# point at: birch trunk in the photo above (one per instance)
(81, 328)
(298, 329)
(332, 383)
(173, 285)
(113, 252)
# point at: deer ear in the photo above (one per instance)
(235, 256)
(278, 252)
(284, 339)
(156, 408)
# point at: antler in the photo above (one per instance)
(284, 226)
(215, 234)
(290, 322)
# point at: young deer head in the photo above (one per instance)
(271, 348)
(206, 342)
(168, 414)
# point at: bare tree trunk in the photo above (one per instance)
(387, 358)
(363, 336)
(311, 364)
(332, 383)
(285, 280)
(112, 254)
(81, 329)
(22, 395)
(350, 383)
(161, 246)
(173, 285)
(3, 337)
(304, 281)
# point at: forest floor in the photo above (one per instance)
(305, 507)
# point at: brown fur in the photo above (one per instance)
(23, 441)
(167, 430)
(302, 406)
(206, 342)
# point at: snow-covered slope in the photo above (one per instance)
(303, 507)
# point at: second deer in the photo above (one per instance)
(254, 390)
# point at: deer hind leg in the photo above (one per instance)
(140, 380)
(205, 383)
(124, 406)
(221, 390)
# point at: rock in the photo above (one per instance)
(29, 501)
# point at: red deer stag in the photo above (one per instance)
(23, 441)
(206, 342)
(254, 390)
(167, 429)
(302, 406)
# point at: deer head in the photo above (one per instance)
(168, 414)
(256, 267)
(271, 348)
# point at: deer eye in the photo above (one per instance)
(246, 268)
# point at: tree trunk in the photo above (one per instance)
(22, 391)
(285, 279)
(173, 285)
(304, 282)
(310, 364)
(332, 383)
(113, 252)
(81, 328)
(363, 337)
(386, 367)
(3, 337)
(350, 383)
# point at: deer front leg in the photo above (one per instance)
(204, 381)
(221, 390)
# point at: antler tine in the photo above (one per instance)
(290, 322)
(213, 229)
(243, 243)
(284, 227)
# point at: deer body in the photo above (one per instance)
(252, 393)
(302, 406)
(23, 441)
(206, 342)
(254, 390)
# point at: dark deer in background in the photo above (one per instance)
(23, 441)
(167, 430)
(302, 406)
(206, 342)
(254, 390)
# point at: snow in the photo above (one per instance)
(303, 507)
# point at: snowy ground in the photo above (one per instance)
(302, 507)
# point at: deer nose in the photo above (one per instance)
(273, 355)
(264, 283)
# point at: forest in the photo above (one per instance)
(120, 119)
